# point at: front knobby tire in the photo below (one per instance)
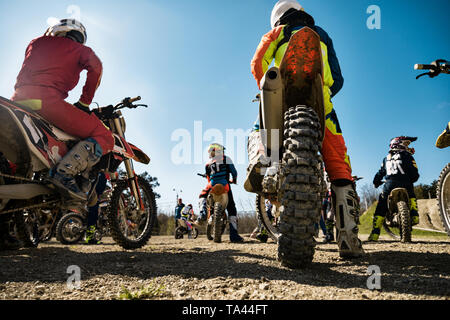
(130, 229)
(27, 228)
(443, 197)
(272, 229)
(64, 228)
(405, 221)
(300, 187)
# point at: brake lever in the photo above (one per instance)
(424, 74)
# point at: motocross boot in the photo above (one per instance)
(255, 175)
(346, 205)
(263, 236)
(234, 235)
(203, 212)
(443, 141)
(329, 235)
(79, 159)
(90, 236)
(377, 224)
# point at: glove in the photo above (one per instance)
(376, 184)
(82, 107)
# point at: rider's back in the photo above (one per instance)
(56, 63)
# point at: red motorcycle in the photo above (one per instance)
(34, 146)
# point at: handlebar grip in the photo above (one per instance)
(135, 99)
(423, 67)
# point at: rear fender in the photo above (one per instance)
(302, 73)
(221, 198)
(397, 195)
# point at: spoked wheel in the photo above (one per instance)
(27, 227)
(71, 228)
(270, 223)
(390, 232)
(130, 227)
(443, 196)
(179, 232)
(401, 229)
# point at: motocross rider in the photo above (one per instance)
(178, 208)
(52, 67)
(218, 171)
(288, 16)
(400, 170)
(187, 214)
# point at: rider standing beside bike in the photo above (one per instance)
(218, 171)
(287, 18)
(400, 170)
(51, 69)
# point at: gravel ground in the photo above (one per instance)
(197, 269)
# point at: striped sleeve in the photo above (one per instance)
(265, 53)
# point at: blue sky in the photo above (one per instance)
(190, 61)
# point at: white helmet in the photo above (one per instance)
(68, 27)
(280, 8)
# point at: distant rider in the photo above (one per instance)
(187, 214)
(218, 171)
(401, 171)
(178, 208)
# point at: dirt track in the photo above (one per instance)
(198, 269)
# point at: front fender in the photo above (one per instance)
(139, 155)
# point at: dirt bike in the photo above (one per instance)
(292, 124)
(72, 226)
(183, 229)
(398, 215)
(35, 146)
(216, 204)
(443, 187)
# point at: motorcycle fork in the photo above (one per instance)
(132, 178)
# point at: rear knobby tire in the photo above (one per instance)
(443, 197)
(405, 221)
(217, 222)
(300, 187)
(116, 218)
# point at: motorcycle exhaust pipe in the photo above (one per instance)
(272, 109)
(23, 191)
